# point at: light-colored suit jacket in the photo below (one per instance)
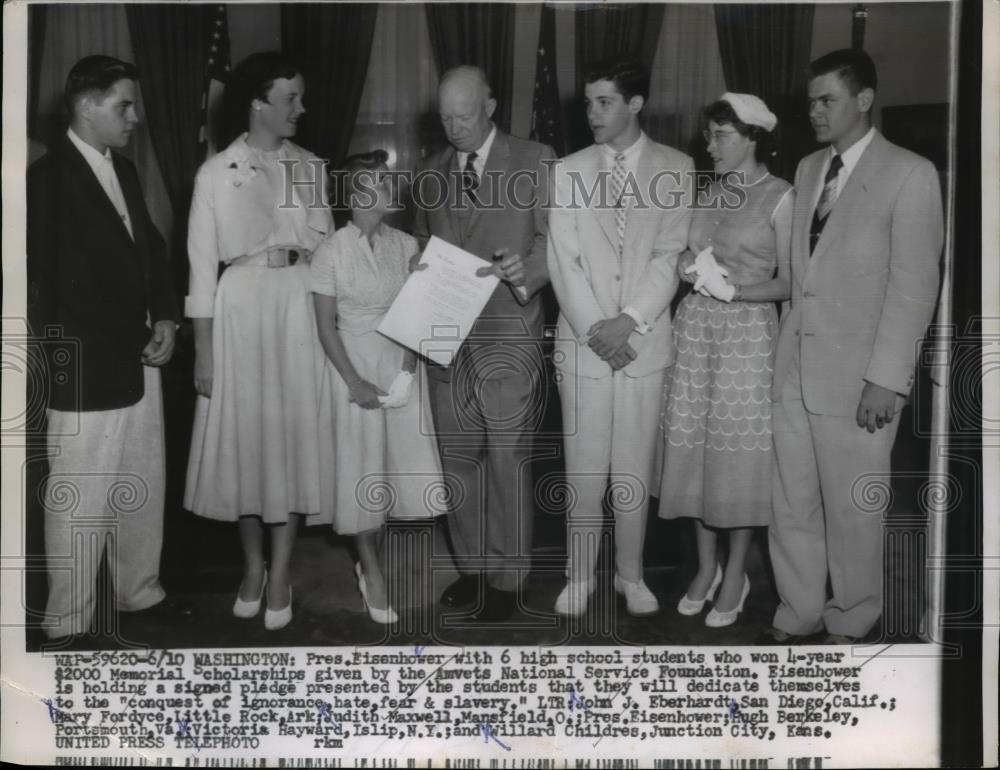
(862, 302)
(512, 194)
(591, 281)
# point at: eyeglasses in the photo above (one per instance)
(718, 136)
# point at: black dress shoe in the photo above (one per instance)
(168, 610)
(462, 593)
(499, 606)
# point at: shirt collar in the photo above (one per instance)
(631, 153)
(356, 231)
(484, 150)
(91, 155)
(852, 154)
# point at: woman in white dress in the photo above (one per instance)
(382, 460)
(255, 447)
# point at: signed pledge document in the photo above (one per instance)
(435, 310)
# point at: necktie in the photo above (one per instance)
(826, 200)
(470, 179)
(617, 186)
(109, 181)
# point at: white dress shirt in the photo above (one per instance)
(850, 158)
(631, 163)
(104, 169)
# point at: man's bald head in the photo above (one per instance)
(466, 107)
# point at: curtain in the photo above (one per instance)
(397, 112)
(480, 34)
(686, 76)
(332, 42)
(71, 32)
(170, 54)
(606, 31)
(765, 51)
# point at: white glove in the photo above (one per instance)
(714, 284)
(705, 261)
(399, 391)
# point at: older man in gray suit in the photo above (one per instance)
(867, 234)
(492, 186)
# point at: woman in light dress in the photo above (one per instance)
(382, 459)
(718, 450)
(255, 448)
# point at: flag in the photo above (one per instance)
(217, 69)
(546, 107)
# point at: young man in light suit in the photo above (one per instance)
(867, 235)
(612, 258)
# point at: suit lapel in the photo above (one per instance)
(639, 205)
(806, 205)
(854, 192)
(94, 192)
(605, 214)
(497, 161)
(449, 167)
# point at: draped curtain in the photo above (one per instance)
(605, 31)
(480, 34)
(397, 112)
(765, 51)
(332, 42)
(686, 76)
(170, 53)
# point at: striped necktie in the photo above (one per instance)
(826, 200)
(470, 179)
(617, 187)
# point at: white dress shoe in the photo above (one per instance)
(278, 619)
(716, 619)
(688, 606)
(249, 609)
(638, 598)
(387, 616)
(572, 601)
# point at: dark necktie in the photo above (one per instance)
(826, 200)
(470, 179)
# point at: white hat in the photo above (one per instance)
(751, 110)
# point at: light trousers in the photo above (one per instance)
(104, 497)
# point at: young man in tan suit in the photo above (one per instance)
(867, 235)
(612, 260)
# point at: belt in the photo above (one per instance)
(276, 256)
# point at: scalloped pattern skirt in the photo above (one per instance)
(718, 452)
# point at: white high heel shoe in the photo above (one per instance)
(691, 606)
(278, 619)
(716, 619)
(249, 609)
(387, 616)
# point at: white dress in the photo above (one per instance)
(378, 462)
(255, 444)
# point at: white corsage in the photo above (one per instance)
(242, 170)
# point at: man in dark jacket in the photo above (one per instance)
(101, 301)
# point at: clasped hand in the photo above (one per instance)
(608, 338)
